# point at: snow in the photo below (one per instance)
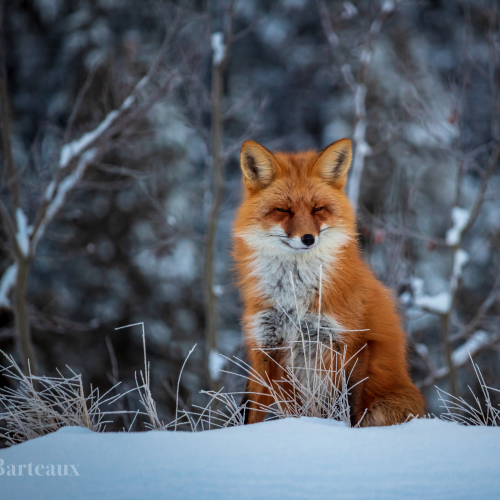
(362, 148)
(439, 303)
(350, 10)
(460, 218)
(460, 259)
(422, 350)
(461, 355)
(215, 364)
(22, 237)
(218, 47)
(388, 6)
(6, 283)
(284, 459)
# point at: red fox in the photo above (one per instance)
(295, 219)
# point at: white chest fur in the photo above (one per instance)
(290, 281)
(291, 284)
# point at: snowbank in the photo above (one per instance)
(293, 458)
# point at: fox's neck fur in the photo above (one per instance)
(292, 280)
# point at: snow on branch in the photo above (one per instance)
(362, 148)
(61, 192)
(474, 345)
(75, 148)
(440, 303)
(86, 149)
(460, 258)
(215, 364)
(6, 284)
(460, 217)
(437, 304)
(22, 236)
(218, 47)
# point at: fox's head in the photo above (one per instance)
(294, 203)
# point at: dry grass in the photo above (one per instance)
(321, 388)
(40, 405)
(458, 410)
(319, 391)
(323, 392)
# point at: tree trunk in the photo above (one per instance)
(22, 320)
(217, 193)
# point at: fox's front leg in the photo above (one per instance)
(265, 330)
(257, 398)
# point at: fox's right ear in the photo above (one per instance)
(258, 165)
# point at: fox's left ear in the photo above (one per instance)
(333, 163)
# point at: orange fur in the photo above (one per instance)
(351, 295)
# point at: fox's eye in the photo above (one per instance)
(284, 210)
(318, 209)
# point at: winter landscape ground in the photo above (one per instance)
(304, 458)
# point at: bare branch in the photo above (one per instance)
(478, 343)
(361, 147)
(482, 191)
(491, 299)
(61, 192)
(61, 185)
(78, 102)
(10, 228)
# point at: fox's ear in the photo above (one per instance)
(333, 162)
(258, 165)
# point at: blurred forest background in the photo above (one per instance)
(121, 127)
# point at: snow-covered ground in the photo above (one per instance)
(294, 458)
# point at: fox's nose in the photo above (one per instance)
(308, 239)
